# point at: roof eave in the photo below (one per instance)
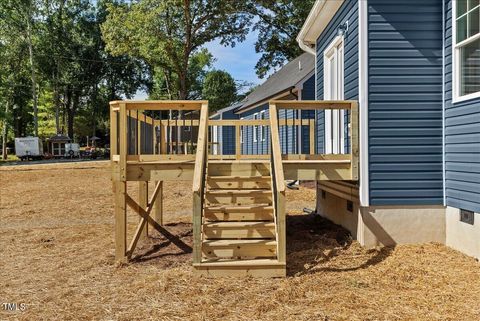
(265, 100)
(318, 18)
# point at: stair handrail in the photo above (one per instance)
(199, 182)
(200, 156)
(278, 184)
(276, 152)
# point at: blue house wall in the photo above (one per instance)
(462, 138)
(288, 136)
(227, 139)
(348, 11)
(405, 102)
(261, 146)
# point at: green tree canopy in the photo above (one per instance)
(169, 35)
(278, 24)
(219, 89)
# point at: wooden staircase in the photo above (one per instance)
(238, 226)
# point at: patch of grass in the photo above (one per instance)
(10, 158)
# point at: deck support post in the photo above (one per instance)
(120, 189)
(143, 202)
(158, 205)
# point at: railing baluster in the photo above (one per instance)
(191, 132)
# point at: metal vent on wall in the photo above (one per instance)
(467, 216)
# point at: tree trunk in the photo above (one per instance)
(71, 115)
(66, 108)
(4, 134)
(34, 81)
(94, 109)
(56, 101)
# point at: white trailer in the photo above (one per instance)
(28, 148)
(72, 150)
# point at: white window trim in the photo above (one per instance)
(262, 128)
(329, 149)
(255, 129)
(364, 187)
(242, 128)
(456, 60)
(215, 140)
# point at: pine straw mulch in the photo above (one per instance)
(56, 237)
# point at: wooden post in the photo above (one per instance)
(113, 132)
(163, 139)
(123, 142)
(238, 149)
(139, 135)
(312, 136)
(281, 229)
(143, 202)
(197, 227)
(198, 183)
(158, 205)
(354, 139)
(120, 222)
(120, 188)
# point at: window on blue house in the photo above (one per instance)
(255, 129)
(467, 49)
(263, 129)
(241, 132)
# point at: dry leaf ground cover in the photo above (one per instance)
(56, 256)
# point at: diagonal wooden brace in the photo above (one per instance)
(144, 213)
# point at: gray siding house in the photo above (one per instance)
(414, 67)
(294, 81)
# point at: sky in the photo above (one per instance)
(239, 61)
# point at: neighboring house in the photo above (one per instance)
(57, 143)
(224, 136)
(414, 67)
(294, 81)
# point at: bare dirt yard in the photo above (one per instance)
(56, 256)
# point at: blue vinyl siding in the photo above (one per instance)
(405, 102)
(228, 134)
(462, 138)
(347, 12)
(308, 93)
(261, 146)
(288, 136)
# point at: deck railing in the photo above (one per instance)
(173, 140)
(318, 165)
(154, 130)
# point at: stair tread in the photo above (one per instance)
(238, 242)
(239, 191)
(240, 161)
(240, 224)
(253, 177)
(239, 207)
(239, 262)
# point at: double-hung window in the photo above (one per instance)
(263, 128)
(241, 132)
(255, 128)
(466, 49)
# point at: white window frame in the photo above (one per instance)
(263, 132)
(241, 132)
(255, 128)
(215, 142)
(333, 145)
(456, 58)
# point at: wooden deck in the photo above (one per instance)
(239, 199)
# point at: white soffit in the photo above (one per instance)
(317, 20)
